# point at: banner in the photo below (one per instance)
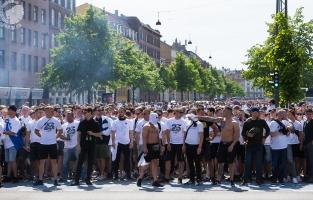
(20, 93)
(5, 92)
(37, 93)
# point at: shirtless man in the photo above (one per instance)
(229, 137)
(151, 149)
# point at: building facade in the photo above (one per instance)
(25, 50)
(250, 91)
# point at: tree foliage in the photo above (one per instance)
(288, 49)
(85, 56)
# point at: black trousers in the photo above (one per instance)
(193, 160)
(87, 151)
(122, 148)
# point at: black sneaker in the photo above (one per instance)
(14, 180)
(232, 183)
(88, 182)
(156, 184)
(62, 180)
(75, 183)
(244, 182)
(38, 182)
(190, 182)
(139, 180)
(180, 181)
(56, 183)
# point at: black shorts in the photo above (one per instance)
(34, 151)
(223, 155)
(176, 151)
(47, 151)
(213, 150)
(60, 148)
(206, 151)
(296, 152)
(153, 152)
(241, 152)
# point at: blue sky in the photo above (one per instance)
(224, 29)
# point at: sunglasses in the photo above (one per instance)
(299, 113)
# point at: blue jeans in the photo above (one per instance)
(69, 155)
(279, 159)
(253, 152)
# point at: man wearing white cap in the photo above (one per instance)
(151, 149)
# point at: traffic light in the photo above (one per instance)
(276, 79)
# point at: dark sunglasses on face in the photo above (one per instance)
(299, 113)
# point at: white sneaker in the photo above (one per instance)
(295, 180)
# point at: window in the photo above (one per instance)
(35, 14)
(56, 19)
(29, 63)
(2, 32)
(13, 60)
(29, 12)
(63, 3)
(24, 8)
(35, 63)
(68, 6)
(52, 17)
(51, 40)
(23, 38)
(36, 39)
(2, 58)
(62, 21)
(72, 4)
(43, 62)
(43, 16)
(59, 20)
(29, 37)
(23, 62)
(13, 35)
(43, 40)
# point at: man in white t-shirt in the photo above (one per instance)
(175, 147)
(138, 130)
(48, 128)
(279, 131)
(24, 116)
(70, 143)
(11, 126)
(122, 135)
(34, 142)
(293, 149)
(194, 141)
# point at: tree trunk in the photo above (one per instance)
(114, 100)
(89, 93)
(133, 89)
(181, 95)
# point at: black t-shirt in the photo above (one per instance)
(85, 126)
(206, 128)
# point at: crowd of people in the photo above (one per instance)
(188, 143)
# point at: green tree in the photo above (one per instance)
(85, 56)
(289, 51)
(133, 68)
(167, 79)
(233, 89)
(186, 75)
